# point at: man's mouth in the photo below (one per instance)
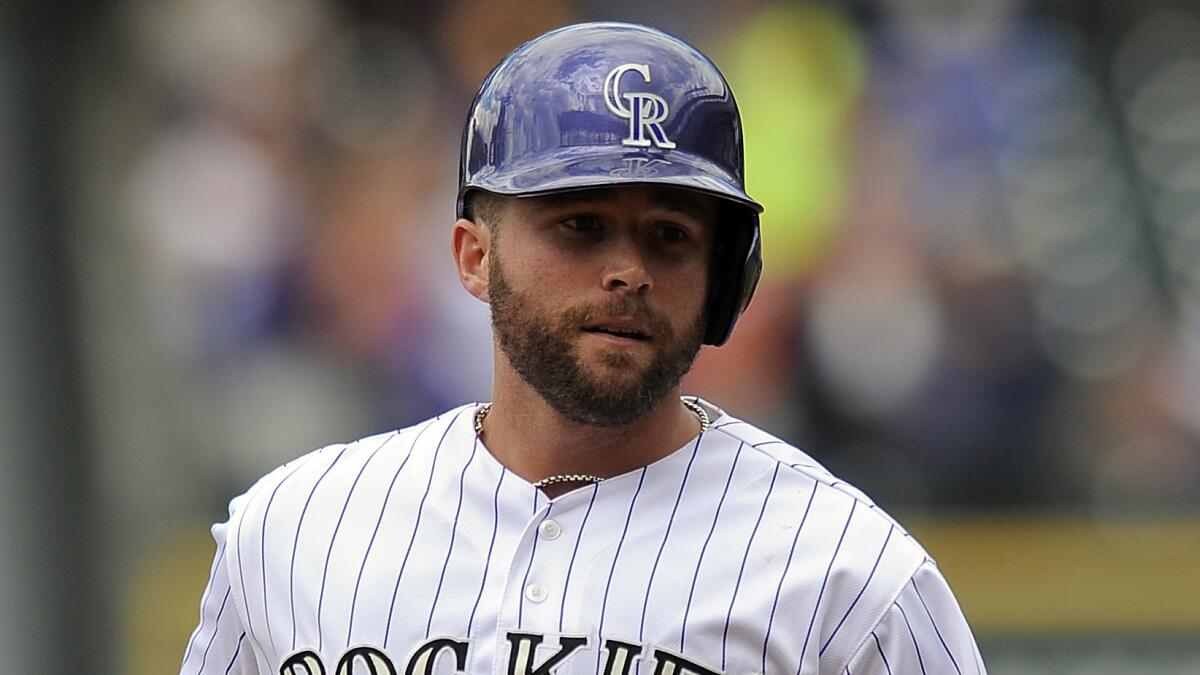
(623, 329)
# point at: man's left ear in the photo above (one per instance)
(470, 243)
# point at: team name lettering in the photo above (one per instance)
(302, 663)
(620, 657)
(423, 659)
(366, 660)
(670, 663)
(522, 646)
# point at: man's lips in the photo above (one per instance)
(620, 327)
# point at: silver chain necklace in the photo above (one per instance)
(482, 413)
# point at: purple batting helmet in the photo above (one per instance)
(604, 104)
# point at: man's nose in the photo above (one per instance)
(627, 272)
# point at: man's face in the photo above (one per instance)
(598, 296)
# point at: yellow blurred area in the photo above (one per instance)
(1033, 576)
(162, 601)
(798, 72)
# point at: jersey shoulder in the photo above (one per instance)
(796, 465)
(860, 557)
(294, 485)
(791, 459)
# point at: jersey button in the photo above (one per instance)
(535, 592)
(549, 529)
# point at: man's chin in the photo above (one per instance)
(615, 365)
(611, 390)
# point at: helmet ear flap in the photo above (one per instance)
(735, 270)
(466, 209)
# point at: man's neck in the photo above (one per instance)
(535, 441)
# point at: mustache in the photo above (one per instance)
(624, 306)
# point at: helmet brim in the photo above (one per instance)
(583, 167)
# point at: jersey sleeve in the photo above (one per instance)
(219, 645)
(924, 631)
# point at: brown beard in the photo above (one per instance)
(543, 352)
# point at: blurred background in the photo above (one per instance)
(224, 241)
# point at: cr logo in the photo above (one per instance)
(645, 111)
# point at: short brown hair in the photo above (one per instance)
(484, 207)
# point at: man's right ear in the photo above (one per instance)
(470, 243)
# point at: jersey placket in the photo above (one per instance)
(533, 594)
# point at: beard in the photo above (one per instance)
(544, 351)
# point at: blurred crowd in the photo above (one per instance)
(982, 238)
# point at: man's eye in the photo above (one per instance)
(581, 223)
(672, 234)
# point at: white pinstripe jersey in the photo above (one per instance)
(416, 552)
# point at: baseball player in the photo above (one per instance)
(588, 519)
